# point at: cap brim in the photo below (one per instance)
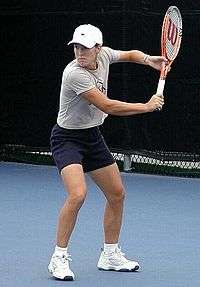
(81, 42)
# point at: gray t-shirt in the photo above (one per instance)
(75, 112)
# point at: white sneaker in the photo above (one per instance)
(116, 261)
(59, 267)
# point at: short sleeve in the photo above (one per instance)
(80, 81)
(113, 55)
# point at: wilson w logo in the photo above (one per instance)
(172, 32)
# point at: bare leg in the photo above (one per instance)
(74, 182)
(109, 180)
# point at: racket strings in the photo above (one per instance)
(172, 36)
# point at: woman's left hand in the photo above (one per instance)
(157, 62)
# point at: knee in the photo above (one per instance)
(77, 199)
(118, 196)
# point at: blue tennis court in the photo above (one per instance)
(161, 230)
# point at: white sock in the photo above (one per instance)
(60, 250)
(110, 248)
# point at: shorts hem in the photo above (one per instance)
(100, 166)
(67, 164)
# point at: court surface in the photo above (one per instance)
(161, 229)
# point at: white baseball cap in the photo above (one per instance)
(87, 35)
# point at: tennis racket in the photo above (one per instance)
(170, 42)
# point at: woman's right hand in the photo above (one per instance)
(155, 103)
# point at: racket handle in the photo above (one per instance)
(160, 87)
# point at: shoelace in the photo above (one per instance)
(118, 256)
(64, 259)
(67, 257)
(121, 255)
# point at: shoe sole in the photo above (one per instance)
(120, 270)
(66, 278)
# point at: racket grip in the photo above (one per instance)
(160, 87)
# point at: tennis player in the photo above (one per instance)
(78, 146)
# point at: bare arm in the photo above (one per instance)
(139, 57)
(134, 56)
(119, 108)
